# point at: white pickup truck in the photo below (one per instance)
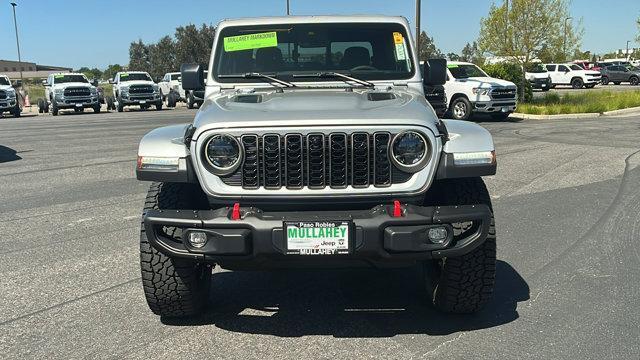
(574, 75)
(8, 98)
(135, 88)
(67, 91)
(471, 90)
(538, 77)
(171, 89)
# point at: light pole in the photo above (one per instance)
(15, 23)
(288, 8)
(418, 5)
(564, 43)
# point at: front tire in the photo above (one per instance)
(462, 284)
(460, 108)
(172, 287)
(577, 83)
(54, 108)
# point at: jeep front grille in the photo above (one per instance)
(316, 161)
(77, 91)
(140, 89)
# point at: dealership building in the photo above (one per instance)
(29, 70)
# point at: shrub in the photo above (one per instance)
(513, 73)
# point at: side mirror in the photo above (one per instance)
(45, 83)
(192, 77)
(435, 72)
(111, 81)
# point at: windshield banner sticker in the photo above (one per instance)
(252, 41)
(401, 50)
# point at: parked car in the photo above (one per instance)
(573, 75)
(135, 88)
(9, 98)
(470, 90)
(69, 91)
(330, 160)
(538, 77)
(171, 89)
(618, 74)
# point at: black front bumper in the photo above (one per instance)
(257, 239)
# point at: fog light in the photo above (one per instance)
(438, 235)
(197, 239)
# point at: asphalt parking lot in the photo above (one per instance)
(567, 207)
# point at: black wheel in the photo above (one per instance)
(16, 111)
(633, 80)
(605, 80)
(500, 116)
(120, 106)
(54, 108)
(460, 108)
(159, 107)
(171, 100)
(173, 287)
(96, 109)
(616, 83)
(41, 106)
(191, 101)
(462, 284)
(577, 83)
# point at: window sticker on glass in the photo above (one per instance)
(401, 52)
(251, 41)
(398, 38)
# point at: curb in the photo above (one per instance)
(628, 111)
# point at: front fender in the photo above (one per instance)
(468, 152)
(163, 156)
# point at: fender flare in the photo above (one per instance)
(464, 140)
(164, 157)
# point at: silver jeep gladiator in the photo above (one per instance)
(315, 147)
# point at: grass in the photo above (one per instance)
(583, 102)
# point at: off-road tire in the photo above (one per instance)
(54, 108)
(171, 100)
(460, 108)
(577, 83)
(462, 284)
(633, 80)
(158, 107)
(173, 287)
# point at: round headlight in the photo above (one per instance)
(224, 154)
(410, 151)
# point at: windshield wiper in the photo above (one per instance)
(331, 74)
(256, 75)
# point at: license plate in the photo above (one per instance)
(78, 105)
(317, 237)
(142, 102)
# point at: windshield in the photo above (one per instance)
(377, 51)
(135, 76)
(576, 67)
(465, 71)
(61, 79)
(4, 81)
(536, 68)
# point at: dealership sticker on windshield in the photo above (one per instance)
(251, 41)
(398, 38)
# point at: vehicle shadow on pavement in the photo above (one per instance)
(8, 154)
(346, 303)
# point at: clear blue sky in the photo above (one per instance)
(92, 33)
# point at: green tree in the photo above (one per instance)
(522, 30)
(453, 56)
(111, 71)
(91, 74)
(428, 49)
(162, 57)
(138, 56)
(193, 45)
(471, 53)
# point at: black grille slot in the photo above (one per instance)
(3, 95)
(293, 161)
(271, 159)
(316, 161)
(140, 89)
(250, 167)
(503, 94)
(360, 159)
(77, 91)
(381, 165)
(338, 160)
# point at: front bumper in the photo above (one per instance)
(540, 83)
(495, 106)
(77, 102)
(141, 99)
(257, 239)
(7, 104)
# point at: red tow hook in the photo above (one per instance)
(397, 209)
(235, 213)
